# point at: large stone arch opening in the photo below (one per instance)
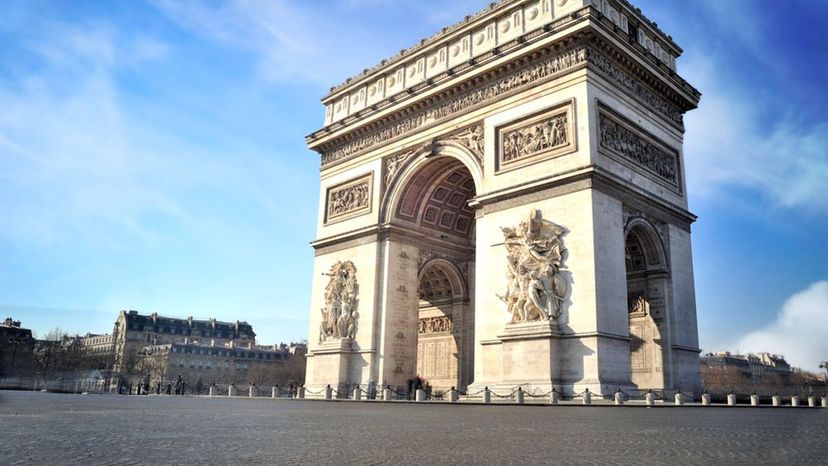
(647, 283)
(432, 203)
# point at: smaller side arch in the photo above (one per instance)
(642, 232)
(455, 278)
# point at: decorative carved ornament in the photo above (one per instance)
(392, 165)
(339, 316)
(537, 137)
(626, 142)
(472, 139)
(535, 287)
(439, 324)
(350, 199)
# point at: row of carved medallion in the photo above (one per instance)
(521, 79)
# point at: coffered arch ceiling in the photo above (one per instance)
(437, 198)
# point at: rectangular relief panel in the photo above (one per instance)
(629, 144)
(350, 199)
(535, 138)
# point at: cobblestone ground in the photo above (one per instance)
(42, 428)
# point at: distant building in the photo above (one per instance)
(16, 349)
(98, 344)
(762, 373)
(196, 363)
(134, 331)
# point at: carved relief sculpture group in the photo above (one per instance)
(349, 199)
(339, 316)
(629, 144)
(535, 138)
(535, 287)
(434, 325)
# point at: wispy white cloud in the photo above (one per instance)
(307, 41)
(798, 332)
(734, 140)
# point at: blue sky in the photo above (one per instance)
(152, 157)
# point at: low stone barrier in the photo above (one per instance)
(357, 393)
(706, 399)
(554, 397)
(754, 400)
(453, 395)
(731, 400)
(794, 401)
(812, 402)
(619, 397)
(825, 401)
(649, 398)
(679, 399)
(776, 400)
(487, 395)
(519, 396)
(421, 395)
(231, 391)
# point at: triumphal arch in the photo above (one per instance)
(504, 204)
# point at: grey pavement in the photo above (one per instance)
(45, 428)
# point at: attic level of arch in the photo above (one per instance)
(622, 63)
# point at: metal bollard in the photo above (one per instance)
(825, 401)
(328, 393)
(357, 395)
(487, 395)
(231, 391)
(554, 398)
(731, 400)
(812, 402)
(587, 397)
(794, 401)
(421, 395)
(649, 398)
(619, 397)
(212, 391)
(453, 395)
(679, 399)
(776, 400)
(519, 396)
(754, 400)
(301, 393)
(386, 393)
(706, 399)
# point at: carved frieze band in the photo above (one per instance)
(636, 87)
(350, 199)
(546, 68)
(627, 142)
(537, 137)
(439, 324)
(523, 78)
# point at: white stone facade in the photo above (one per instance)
(571, 116)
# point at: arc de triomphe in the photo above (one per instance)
(504, 204)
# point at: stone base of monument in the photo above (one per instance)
(331, 360)
(528, 351)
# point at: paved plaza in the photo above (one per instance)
(43, 428)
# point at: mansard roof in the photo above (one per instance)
(157, 321)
